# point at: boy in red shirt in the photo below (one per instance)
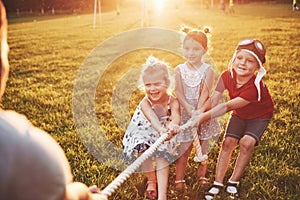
(252, 109)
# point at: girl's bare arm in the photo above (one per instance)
(150, 115)
(206, 89)
(179, 92)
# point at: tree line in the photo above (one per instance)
(79, 6)
(36, 6)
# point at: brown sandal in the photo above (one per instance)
(151, 193)
(182, 187)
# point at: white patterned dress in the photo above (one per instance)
(140, 135)
(192, 82)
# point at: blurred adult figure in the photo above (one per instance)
(32, 164)
(4, 68)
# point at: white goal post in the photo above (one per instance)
(97, 3)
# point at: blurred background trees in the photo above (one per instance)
(83, 6)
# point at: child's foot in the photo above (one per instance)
(151, 191)
(214, 191)
(203, 181)
(232, 189)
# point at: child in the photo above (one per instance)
(4, 67)
(157, 113)
(252, 109)
(194, 80)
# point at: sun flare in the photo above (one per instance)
(159, 4)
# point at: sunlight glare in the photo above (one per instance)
(159, 4)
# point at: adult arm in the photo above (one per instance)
(4, 68)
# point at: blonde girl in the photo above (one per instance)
(157, 113)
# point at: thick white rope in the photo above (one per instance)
(199, 156)
(108, 190)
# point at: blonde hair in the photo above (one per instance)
(157, 67)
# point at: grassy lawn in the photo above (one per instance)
(47, 53)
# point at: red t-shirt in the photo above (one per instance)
(255, 109)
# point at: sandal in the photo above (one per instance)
(213, 192)
(182, 186)
(203, 181)
(151, 193)
(232, 190)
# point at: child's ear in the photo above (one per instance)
(77, 191)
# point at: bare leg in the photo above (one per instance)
(247, 144)
(162, 178)
(149, 171)
(228, 146)
(203, 166)
(185, 149)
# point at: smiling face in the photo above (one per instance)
(193, 52)
(156, 83)
(245, 64)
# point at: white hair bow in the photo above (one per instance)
(151, 60)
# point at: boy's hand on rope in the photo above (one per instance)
(196, 118)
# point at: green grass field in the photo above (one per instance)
(47, 53)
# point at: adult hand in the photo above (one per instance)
(4, 64)
(96, 195)
(79, 191)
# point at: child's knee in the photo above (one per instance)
(247, 144)
(229, 144)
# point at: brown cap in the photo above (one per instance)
(254, 46)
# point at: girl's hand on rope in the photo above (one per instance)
(173, 128)
(190, 110)
(164, 130)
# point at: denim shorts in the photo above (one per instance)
(238, 127)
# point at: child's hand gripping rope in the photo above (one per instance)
(136, 164)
